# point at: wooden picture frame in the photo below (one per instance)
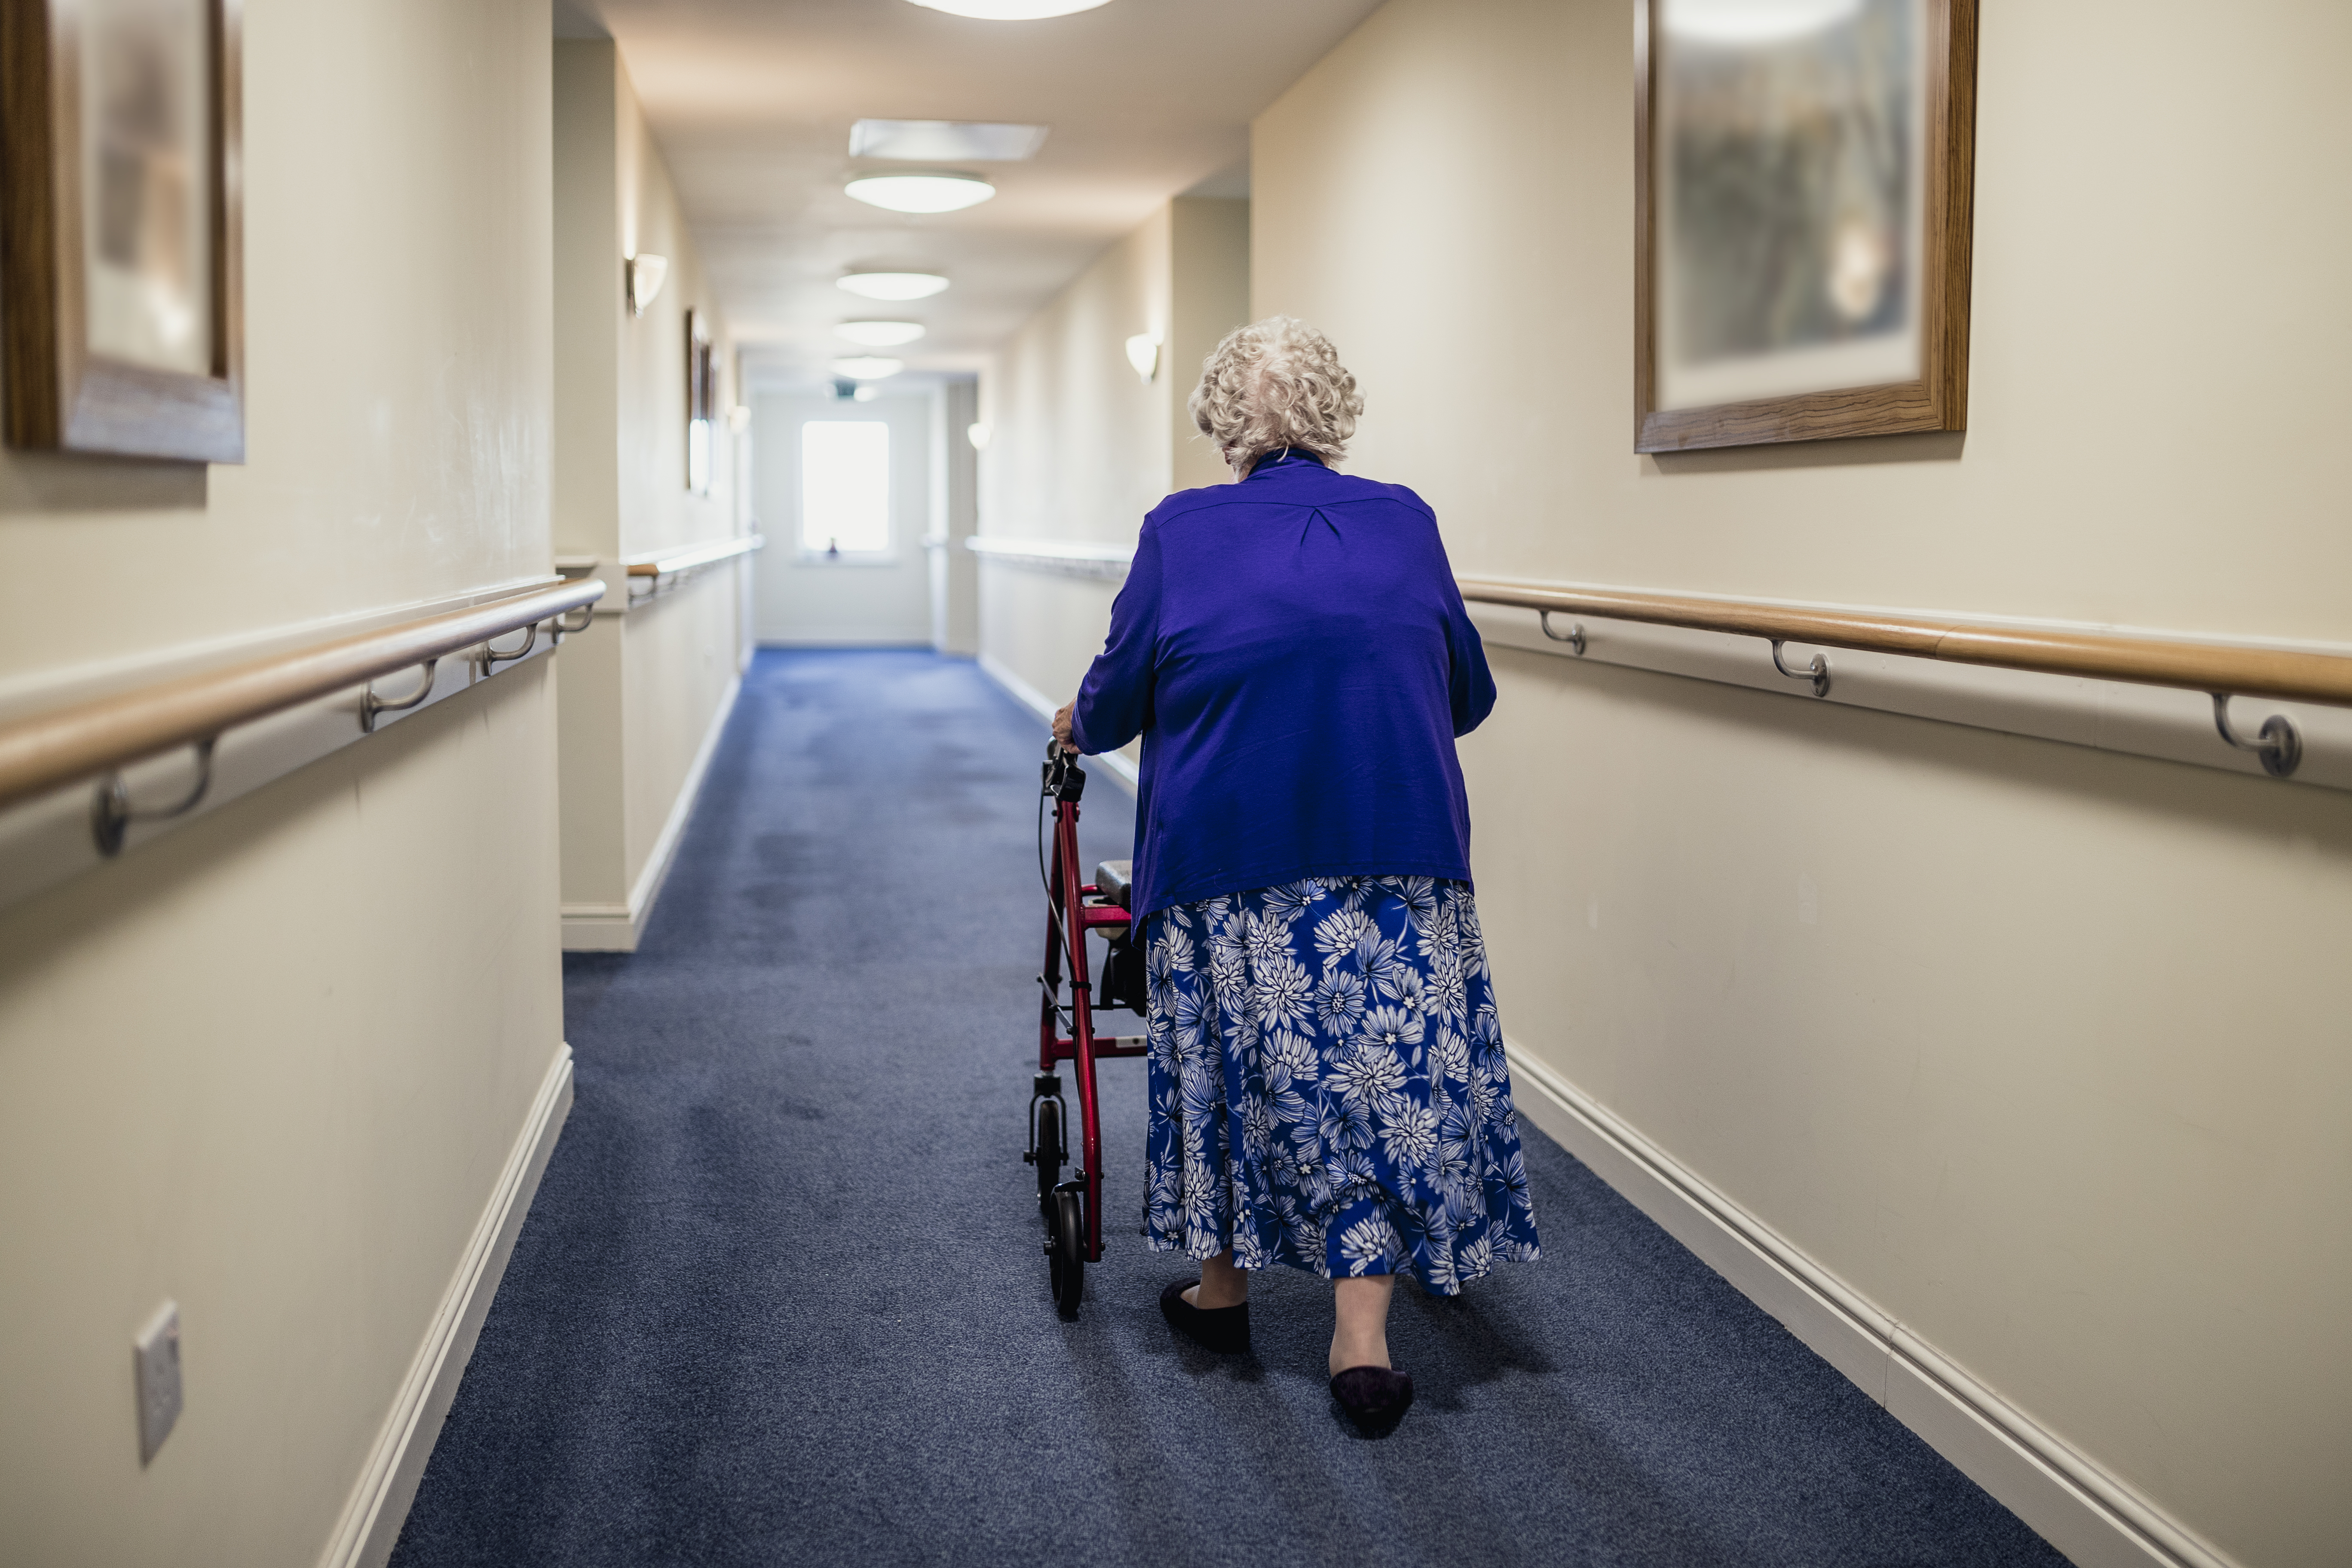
(1850, 361)
(121, 254)
(701, 401)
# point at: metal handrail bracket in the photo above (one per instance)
(111, 812)
(492, 657)
(371, 704)
(2278, 744)
(1573, 637)
(1818, 672)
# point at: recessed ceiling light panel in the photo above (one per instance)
(868, 367)
(923, 191)
(880, 334)
(1009, 10)
(945, 141)
(893, 286)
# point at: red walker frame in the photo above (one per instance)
(1073, 1209)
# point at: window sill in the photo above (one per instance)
(847, 558)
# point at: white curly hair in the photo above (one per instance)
(1275, 383)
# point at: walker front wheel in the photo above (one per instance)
(1050, 1152)
(1067, 1247)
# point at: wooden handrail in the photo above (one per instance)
(2281, 673)
(49, 750)
(661, 563)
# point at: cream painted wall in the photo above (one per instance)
(396, 425)
(657, 510)
(2040, 1049)
(270, 1065)
(1081, 447)
(679, 667)
(641, 709)
(1078, 445)
(1208, 289)
(594, 801)
(269, 1068)
(2136, 370)
(590, 274)
(955, 515)
(620, 387)
(808, 600)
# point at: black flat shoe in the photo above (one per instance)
(1224, 1329)
(1375, 1397)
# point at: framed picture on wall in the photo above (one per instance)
(1803, 186)
(701, 401)
(121, 258)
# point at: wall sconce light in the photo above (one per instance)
(978, 435)
(646, 271)
(1143, 354)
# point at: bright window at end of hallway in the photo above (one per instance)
(845, 487)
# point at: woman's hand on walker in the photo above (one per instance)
(1061, 729)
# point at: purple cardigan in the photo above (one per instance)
(1295, 654)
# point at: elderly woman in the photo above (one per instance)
(1327, 1076)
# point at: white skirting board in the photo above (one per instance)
(1120, 767)
(615, 928)
(2097, 1521)
(379, 1503)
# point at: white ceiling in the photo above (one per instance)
(752, 101)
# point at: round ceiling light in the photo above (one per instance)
(880, 334)
(922, 191)
(1754, 22)
(868, 367)
(1009, 10)
(893, 286)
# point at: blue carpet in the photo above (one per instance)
(781, 1298)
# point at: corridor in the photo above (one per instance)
(1776, 563)
(779, 1296)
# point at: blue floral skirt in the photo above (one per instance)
(1328, 1084)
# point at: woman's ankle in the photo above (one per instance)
(1360, 1331)
(1222, 1285)
(1359, 1351)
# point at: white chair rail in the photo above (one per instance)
(1063, 557)
(658, 571)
